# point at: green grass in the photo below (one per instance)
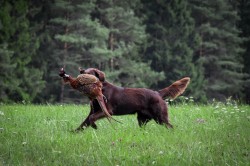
(216, 134)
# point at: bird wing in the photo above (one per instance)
(85, 79)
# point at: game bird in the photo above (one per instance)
(90, 86)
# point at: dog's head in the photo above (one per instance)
(99, 74)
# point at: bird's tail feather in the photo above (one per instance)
(104, 108)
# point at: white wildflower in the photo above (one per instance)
(161, 152)
(56, 151)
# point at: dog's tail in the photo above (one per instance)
(176, 89)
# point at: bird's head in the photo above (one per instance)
(81, 70)
(63, 75)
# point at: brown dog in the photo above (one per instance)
(148, 104)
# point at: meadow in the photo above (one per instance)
(213, 134)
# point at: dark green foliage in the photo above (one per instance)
(124, 40)
(75, 36)
(19, 45)
(244, 24)
(8, 84)
(219, 47)
(137, 43)
(172, 43)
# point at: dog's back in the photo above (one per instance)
(129, 100)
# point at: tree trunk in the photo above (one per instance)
(65, 52)
(111, 47)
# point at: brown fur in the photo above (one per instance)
(90, 86)
(148, 104)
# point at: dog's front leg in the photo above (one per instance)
(96, 116)
(86, 123)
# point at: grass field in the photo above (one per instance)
(215, 134)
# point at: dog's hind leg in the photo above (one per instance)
(160, 115)
(164, 119)
(142, 119)
(164, 116)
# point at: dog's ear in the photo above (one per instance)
(99, 74)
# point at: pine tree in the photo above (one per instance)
(39, 15)
(244, 25)
(125, 39)
(19, 47)
(219, 47)
(8, 84)
(172, 43)
(75, 41)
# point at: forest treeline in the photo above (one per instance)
(137, 43)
